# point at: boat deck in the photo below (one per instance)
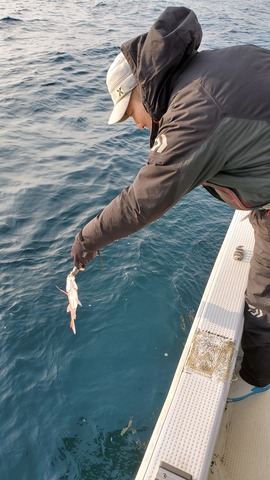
(242, 450)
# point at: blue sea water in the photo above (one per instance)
(66, 399)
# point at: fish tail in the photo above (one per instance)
(72, 326)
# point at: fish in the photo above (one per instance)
(73, 299)
(125, 429)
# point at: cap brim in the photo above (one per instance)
(118, 113)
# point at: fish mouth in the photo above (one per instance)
(76, 270)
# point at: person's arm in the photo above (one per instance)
(182, 157)
(153, 192)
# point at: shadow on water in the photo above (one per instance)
(91, 453)
(186, 324)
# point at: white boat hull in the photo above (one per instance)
(192, 417)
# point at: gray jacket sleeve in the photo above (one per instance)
(153, 192)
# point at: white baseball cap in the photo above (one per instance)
(120, 82)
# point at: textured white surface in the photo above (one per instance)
(242, 449)
(189, 422)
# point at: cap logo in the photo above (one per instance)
(120, 92)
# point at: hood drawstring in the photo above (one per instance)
(154, 131)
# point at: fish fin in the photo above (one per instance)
(68, 308)
(79, 303)
(60, 290)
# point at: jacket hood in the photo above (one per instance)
(155, 56)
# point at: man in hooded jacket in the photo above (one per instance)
(209, 117)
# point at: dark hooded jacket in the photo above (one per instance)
(211, 126)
